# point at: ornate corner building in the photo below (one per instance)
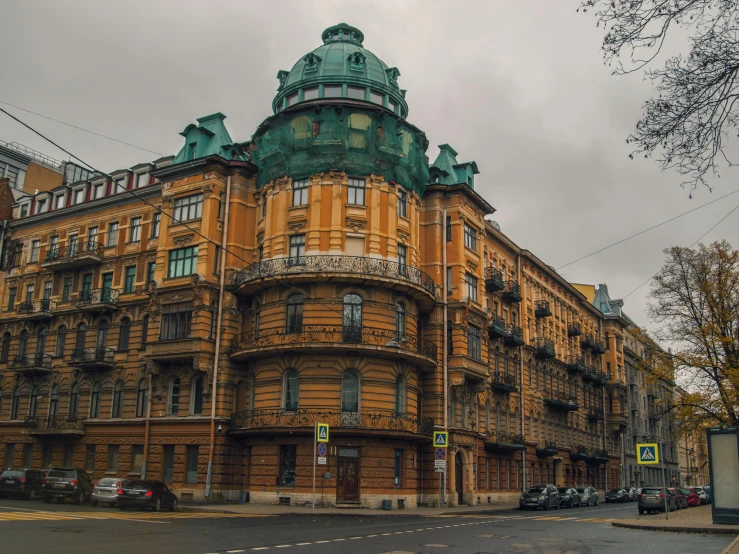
(192, 318)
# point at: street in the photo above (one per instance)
(36, 527)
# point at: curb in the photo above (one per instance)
(701, 530)
(733, 548)
(353, 513)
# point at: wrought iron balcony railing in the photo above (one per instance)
(505, 382)
(587, 341)
(545, 348)
(546, 450)
(51, 423)
(493, 279)
(575, 364)
(595, 414)
(74, 250)
(598, 347)
(514, 336)
(98, 355)
(97, 296)
(42, 307)
(340, 264)
(562, 402)
(574, 330)
(542, 309)
(34, 361)
(512, 292)
(497, 327)
(306, 418)
(326, 334)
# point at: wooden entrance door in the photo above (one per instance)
(459, 478)
(347, 482)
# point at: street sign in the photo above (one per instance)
(440, 454)
(440, 470)
(322, 432)
(440, 463)
(441, 439)
(322, 460)
(647, 453)
(322, 450)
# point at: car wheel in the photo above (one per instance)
(94, 503)
(641, 512)
(47, 499)
(174, 506)
(78, 498)
(32, 495)
(546, 506)
(158, 506)
(596, 502)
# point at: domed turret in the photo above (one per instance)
(341, 68)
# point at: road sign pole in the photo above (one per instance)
(664, 479)
(315, 447)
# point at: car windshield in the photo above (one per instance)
(563, 490)
(10, 474)
(615, 491)
(535, 490)
(61, 473)
(652, 491)
(685, 491)
(107, 482)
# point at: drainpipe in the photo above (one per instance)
(147, 429)
(521, 393)
(214, 392)
(445, 353)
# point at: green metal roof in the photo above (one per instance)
(447, 171)
(341, 59)
(209, 138)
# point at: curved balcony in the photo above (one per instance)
(77, 254)
(504, 443)
(345, 269)
(98, 300)
(542, 309)
(35, 364)
(334, 339)
(37, 310)
(587, 342)
(53, 425)
(546, 450)
(93, 358)
(619, 419)
(376, 422)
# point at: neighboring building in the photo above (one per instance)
(362, 287)
(693, 453)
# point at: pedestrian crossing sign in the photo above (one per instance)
(322, 434)
(441, 439)
(647, 453)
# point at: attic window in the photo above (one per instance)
(332, 91)
(310, 93)
(377, 98)
(191, 152)
(392, 106)
(356, 93)
(292, 99)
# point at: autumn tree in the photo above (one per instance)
(694, 301)
(694, 112)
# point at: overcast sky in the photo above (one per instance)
(519, 87)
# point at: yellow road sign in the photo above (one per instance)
(647, 453)
(441, 439)
(322, 434)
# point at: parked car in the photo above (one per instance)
(146, 494)
(540, 496)
(617, 495)
(703, 495)
(709, 492)
(633, 493)
(569, 498)
(67, 483)
(692, 497)
(588, 496)
(106, 490)
(652, 499)
(21, 482)
(681, 499)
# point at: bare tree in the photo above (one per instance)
(689, 121)
(695, 302)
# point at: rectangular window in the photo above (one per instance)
(35, 247)
(264, 207)
(377, 98)
(150, 269)
(217, 259)
(87, 282)
(155, 222)
(288, 457)
(12, 293)
(40, 206)
(113, 450)
(92, 238)
(130, 279)
(176, 320)
(448, 281)
(47, 290)
(192, 151)
(355, 192)
(134, 232)
(449, 229)
(403, 204)
(142, 179)
(68, 455)
(90, 457)
(221, 205)
(168, 466)
(188, 208)
(137, 458)
(99, 191)
(183, 261)
(300, 192)
(79, 196)
(29, 293)
(24, 210)
(332, 91)
(471, 283)
(470, 237)
(357, 93)
(67, 289)
(28, 455)
(59, 201)
(398, 469)
(310, 93)
(191, 470)
(112, 234)
(54, 244)
(474, 336)
(120, 186)
(297, 249)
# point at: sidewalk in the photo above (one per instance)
(690, 520)
(275, 510)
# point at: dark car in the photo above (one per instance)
(540, 496)
(24, 482)
(652, 499)
(617, 495)
(588, 496)
(569, 498)
(692, 496)
(681, 499)
(67, 483)
(146, 494)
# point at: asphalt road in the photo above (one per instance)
(30, 527)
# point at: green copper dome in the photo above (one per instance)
(341, 68)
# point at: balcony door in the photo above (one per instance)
(107, 287)
(352, 318)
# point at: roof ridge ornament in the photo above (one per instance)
(343, 33)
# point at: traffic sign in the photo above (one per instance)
(647, 453)
(321, 460)
(440, 454)
(322, 450)
(322, 435)
(441, 439)
(439, 463)
(440, 470)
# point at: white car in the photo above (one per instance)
(702, 494)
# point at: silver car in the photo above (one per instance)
(588, 496)
(107, 491)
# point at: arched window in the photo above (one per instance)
(23, 347)
(350, 392)
(173, 402)
(5, 349)
(79, 343)
(400, 395)
(15, 403)
(124, 334)
(291, 390)
(400, 321)
(41, 342)
(102, 338)
(117, 399)
(33, 404)
(144, 330)
(142, 397)
(95, 400)
(74, 400)
(54, 401)
(196, 396)
(294, 314)
(61, 339)
(352, 318)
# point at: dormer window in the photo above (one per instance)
(79, 196)
(41, 206)
(192, 149)
(356, 61)
(142, 179)
(58, 201)
(24, 210)
(99, 191)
